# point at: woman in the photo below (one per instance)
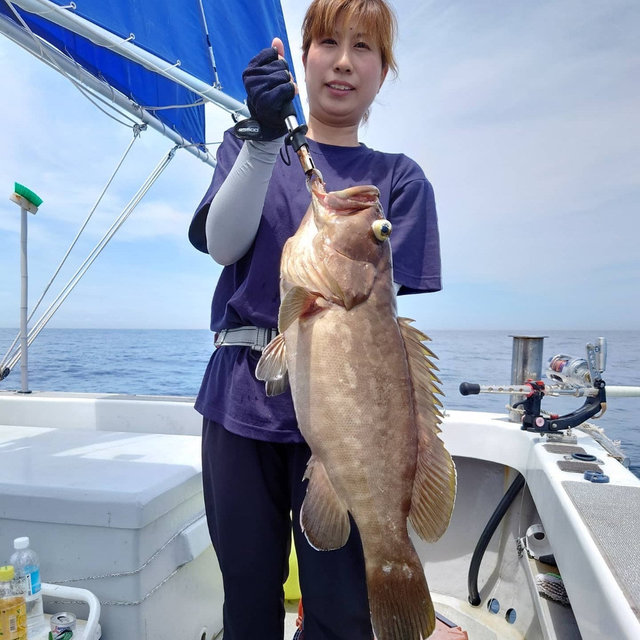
(254, 456)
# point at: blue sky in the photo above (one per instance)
(525, 117)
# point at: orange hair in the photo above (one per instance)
(375, 16)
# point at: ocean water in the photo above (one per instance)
(171, 362)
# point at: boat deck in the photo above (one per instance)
(476, 627)
(478, 624)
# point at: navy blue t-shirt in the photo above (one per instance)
(248, 292)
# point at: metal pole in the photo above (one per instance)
(28, 202)
(526, 364)
(24, 291)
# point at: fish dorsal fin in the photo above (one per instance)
(324, 518)
(272, 366)
(297, 302)
(434, 488)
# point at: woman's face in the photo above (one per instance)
(344, 73)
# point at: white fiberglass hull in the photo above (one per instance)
(141, 502)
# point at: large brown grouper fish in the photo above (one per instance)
(363, 389)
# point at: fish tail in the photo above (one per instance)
(401, 606)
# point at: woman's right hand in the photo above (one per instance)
(269, 87)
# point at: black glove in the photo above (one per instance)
(269, 88)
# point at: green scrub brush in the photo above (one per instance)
(27, 194)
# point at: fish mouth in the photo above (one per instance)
(347, 201)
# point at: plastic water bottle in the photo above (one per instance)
(13, 610)
(26, 565)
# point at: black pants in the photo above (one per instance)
(250, 488)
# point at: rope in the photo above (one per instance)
(136, 133)
(197, 103)
(217, 84)
(12, 356)
(125, 603)
(83, 90)
(13, 359)
(138, 570)
(152, 66)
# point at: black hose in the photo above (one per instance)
(489, 530)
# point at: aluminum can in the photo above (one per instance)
(63, 623)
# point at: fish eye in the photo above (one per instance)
(381, 229)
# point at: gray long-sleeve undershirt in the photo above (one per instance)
(234, 213)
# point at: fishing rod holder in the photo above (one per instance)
(533, 420)
(570, 377)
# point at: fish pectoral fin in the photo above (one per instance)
(434, 486)
(276, 387)
(297, 302)
(324, 518)
(272, 366)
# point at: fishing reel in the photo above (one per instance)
(570, 377)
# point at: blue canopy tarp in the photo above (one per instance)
(175, 32)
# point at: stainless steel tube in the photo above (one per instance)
(526, 364)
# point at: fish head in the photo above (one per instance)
(345, 245)
(351, 223)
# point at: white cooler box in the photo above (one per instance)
(119, 514)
